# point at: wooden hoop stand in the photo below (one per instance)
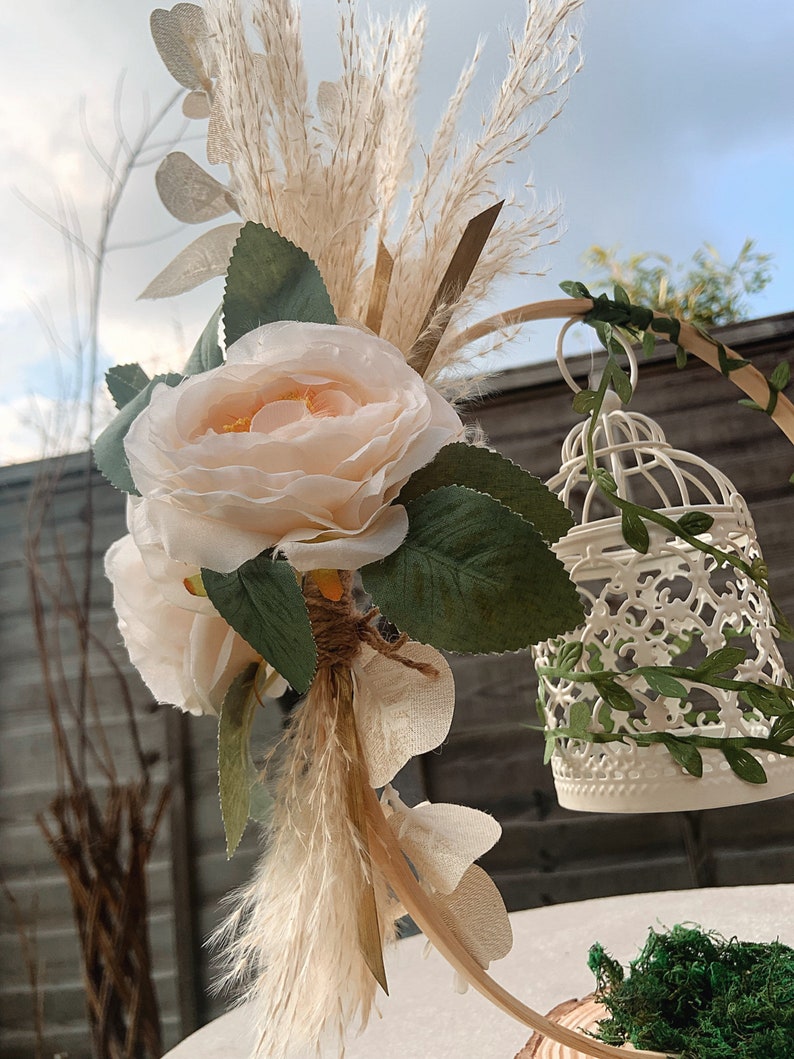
(748, 379)
(384, 848)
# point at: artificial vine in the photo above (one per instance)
(772, 701)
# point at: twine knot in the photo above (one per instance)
(340, 629)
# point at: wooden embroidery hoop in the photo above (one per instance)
(385, 850)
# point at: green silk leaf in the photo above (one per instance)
(125, 381)
(269, 279)
(241, 791)
(685, 754)
(743, 763)
(472, 576)
(634, 530)
(489, 472)
(207, 352)
(109, 454)
(263, 602)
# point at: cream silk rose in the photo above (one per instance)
(185, 652)
(299, 442)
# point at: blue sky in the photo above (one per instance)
(678, 130)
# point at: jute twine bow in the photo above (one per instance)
(340, 629)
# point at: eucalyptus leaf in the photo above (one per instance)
(207, 352)
(743, 763)
(238, 780)
(269, 279)
(188, 192)
(634, 530)
(472, 576)
(685, 754)
(125, 381)
(489, 472)
(109, 454)
(203, 259)
(179, 35)
(548, 750)
(263, 602)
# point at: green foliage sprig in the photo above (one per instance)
(614, 687)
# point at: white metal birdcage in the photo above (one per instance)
(672, 606)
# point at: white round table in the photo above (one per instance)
(424, 1018)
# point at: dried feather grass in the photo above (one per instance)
(290, 942)
(335, 177)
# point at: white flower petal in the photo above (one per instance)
(442, 840)
(225, 472)
(476, 915)
(399, 711)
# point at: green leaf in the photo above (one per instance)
(663, 683)
(684, 754)
(580, 718)
(472, 576)
(648, 343)
(721, 661)
(238, 780)
(269, 279)
(680, 357)
(728, 364)
(548, 750)
(620, 297)
(780, 377)
(634, 530)
(568, 655)
(783, 728)
(748, 402)
(605, 717)
(616, 696)
(575, 289)
(263, 602)
(695, 522)
(207, 352)
(125, 381)
(605, 480)
(489, 472)
(621, 382)
(585, 401)
(109, 454)
(743, 763)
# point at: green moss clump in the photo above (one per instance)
(700, 997)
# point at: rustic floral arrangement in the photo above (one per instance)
(307, 508)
